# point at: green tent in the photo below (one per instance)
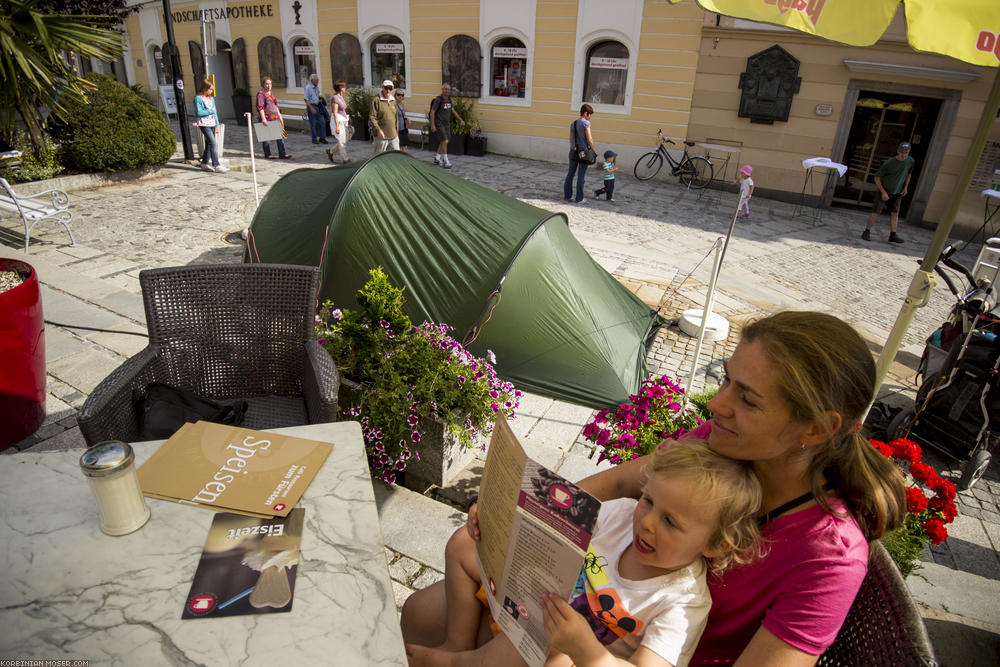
(509, 277)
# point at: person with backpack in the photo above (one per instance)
(441, 114)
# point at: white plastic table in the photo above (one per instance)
(813, 164)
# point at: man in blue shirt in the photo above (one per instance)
(893, 181)
(316, 108)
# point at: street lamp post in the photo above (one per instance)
(175, 68)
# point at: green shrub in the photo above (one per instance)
(114, 130)
(32, 166)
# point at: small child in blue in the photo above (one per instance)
(609, 176)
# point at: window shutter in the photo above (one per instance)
(271, 58)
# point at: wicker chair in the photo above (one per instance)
(232, 331)
(883, 626)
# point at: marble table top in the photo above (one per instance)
(71, 592)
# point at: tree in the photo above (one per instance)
(116, 10)
(33, 70)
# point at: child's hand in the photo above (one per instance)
(567, 630)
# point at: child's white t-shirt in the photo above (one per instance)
(666, 614)
(745, 185)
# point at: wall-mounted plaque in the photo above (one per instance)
(769, 83)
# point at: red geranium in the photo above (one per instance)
(926, 516)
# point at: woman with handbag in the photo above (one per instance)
(208, 123)
(580, 141)
(267, 108)
(339, 121)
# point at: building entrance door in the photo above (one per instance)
(221, 66)
(881, 121)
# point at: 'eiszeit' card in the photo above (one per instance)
(248, 566)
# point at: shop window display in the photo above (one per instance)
(388, 61)
(508, 68)
(607, 74)
(303, 61)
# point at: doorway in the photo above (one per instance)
(880, 122)
(221, 66)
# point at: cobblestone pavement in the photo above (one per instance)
(656, 239)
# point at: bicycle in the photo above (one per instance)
(694, 171)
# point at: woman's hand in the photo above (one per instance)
(472, 522)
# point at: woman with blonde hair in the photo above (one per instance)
(791, 405)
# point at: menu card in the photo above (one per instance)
(232, 469)
(248, 566)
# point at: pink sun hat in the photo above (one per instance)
(746, 170)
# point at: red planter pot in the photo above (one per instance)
(22, 356)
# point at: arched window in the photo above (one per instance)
(271, 61)
(388, 61)
(241, 77)
(345, 59)
(508, 67)
(460, 58)
(159, 65)
(197, 63)
(607, 74)
(303, 61)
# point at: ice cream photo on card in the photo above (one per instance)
(248, 566)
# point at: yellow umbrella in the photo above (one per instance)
(963, 29)
(968, 30)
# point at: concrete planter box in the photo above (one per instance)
(442, 456)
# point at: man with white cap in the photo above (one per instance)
(383, 120)
(893, 181)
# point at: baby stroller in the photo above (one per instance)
(957, 409)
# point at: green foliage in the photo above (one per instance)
(33, 166)
(905, 544)
(699, 401)
(359, 103)
(409, 376)
(465, 107)
(241, 92)
(114, 130)
(33, 72)
(137, 89)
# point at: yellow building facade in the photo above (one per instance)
(642, 65)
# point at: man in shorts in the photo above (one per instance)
(441, 114)
(892, 180)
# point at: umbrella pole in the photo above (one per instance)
(919, 291)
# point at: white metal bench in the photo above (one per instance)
(419, 126)
(298, 106)
(48, 205)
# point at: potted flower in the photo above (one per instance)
(242, 104)
(422, 399)
(653, 413)
(359, 103)
(926, 516)
(22, 352)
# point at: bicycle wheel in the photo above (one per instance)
(648, 165)
(696, 172)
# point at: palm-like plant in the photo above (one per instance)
(33, 70)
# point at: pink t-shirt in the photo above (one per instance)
(800, 591)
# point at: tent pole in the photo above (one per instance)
(920, 288)
(253, 162)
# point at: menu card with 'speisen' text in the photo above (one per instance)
(232, 469)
